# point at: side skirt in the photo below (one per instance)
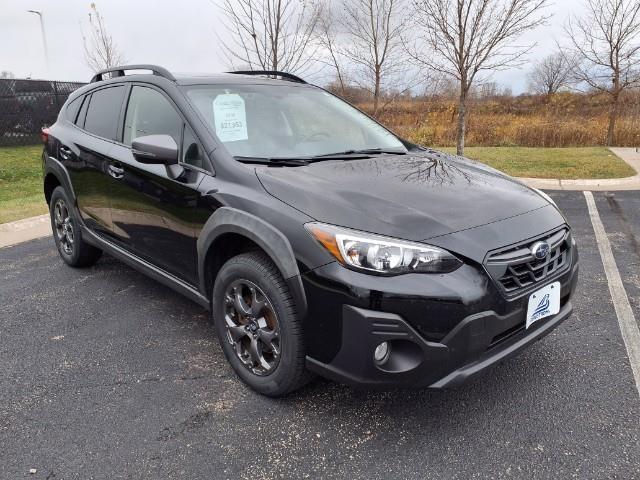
(146, 268)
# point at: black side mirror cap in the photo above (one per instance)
(155, 149)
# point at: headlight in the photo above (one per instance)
(375, 253)
(546, 197)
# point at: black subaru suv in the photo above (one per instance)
(320, 241)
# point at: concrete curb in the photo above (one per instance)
(13, 233)
(629, 155)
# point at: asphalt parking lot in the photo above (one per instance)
(108, 374)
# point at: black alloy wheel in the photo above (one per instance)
(252, 327)
(67, 234)
(63, 226)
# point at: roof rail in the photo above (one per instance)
(273, 73)
(119, 72)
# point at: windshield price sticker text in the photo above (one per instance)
(230, 117)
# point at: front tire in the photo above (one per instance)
(66, 232)
(257, 326)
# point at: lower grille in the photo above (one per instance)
(507, 334)
(516, 269)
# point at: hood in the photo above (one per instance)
(413, 196)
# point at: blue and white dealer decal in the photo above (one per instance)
(543, 303)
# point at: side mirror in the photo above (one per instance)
(157, 149)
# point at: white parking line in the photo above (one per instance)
(626, 319)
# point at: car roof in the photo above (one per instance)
(186, 79)
(237, 77)
(228, 78)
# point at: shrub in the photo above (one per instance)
(562, 120)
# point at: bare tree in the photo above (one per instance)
(490, 90)
(606, 44)
(270, 34)
(465, 38)
(551, 73)
(328, 41)
(373, 42)
(100, 51)
(7, 74)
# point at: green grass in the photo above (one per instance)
(21, 194)
(563, 163)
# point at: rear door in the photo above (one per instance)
(155, 210)
(86, 150)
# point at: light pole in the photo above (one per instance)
(44, 38)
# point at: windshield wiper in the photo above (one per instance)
(361, 152)
(292, 161)
(306, 160)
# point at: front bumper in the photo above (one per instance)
(420, 363)
(441, 332)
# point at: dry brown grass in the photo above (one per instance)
(564, 120)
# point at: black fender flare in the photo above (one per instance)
(54, 167)
(271, 240)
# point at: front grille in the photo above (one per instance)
(515, 269)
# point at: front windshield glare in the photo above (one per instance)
(288, 121)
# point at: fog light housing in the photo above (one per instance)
(381, 353)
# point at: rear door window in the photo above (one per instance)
(104, 111)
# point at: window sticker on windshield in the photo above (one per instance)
(230, 117)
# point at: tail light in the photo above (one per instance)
(44, 135)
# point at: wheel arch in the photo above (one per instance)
(229, 232)
(56, 175)
(50, 184)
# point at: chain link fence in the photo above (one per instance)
(26, 106)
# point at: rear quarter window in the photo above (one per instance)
(71, 111)
(104, 111)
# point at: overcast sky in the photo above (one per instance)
(178, 34)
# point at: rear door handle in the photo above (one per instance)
(115, 171)
(65, 152)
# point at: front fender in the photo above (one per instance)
(271, 240)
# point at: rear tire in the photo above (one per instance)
(67, 234)
(255, 319)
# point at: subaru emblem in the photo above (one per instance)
(540, 250)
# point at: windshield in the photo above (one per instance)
(287, 121)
